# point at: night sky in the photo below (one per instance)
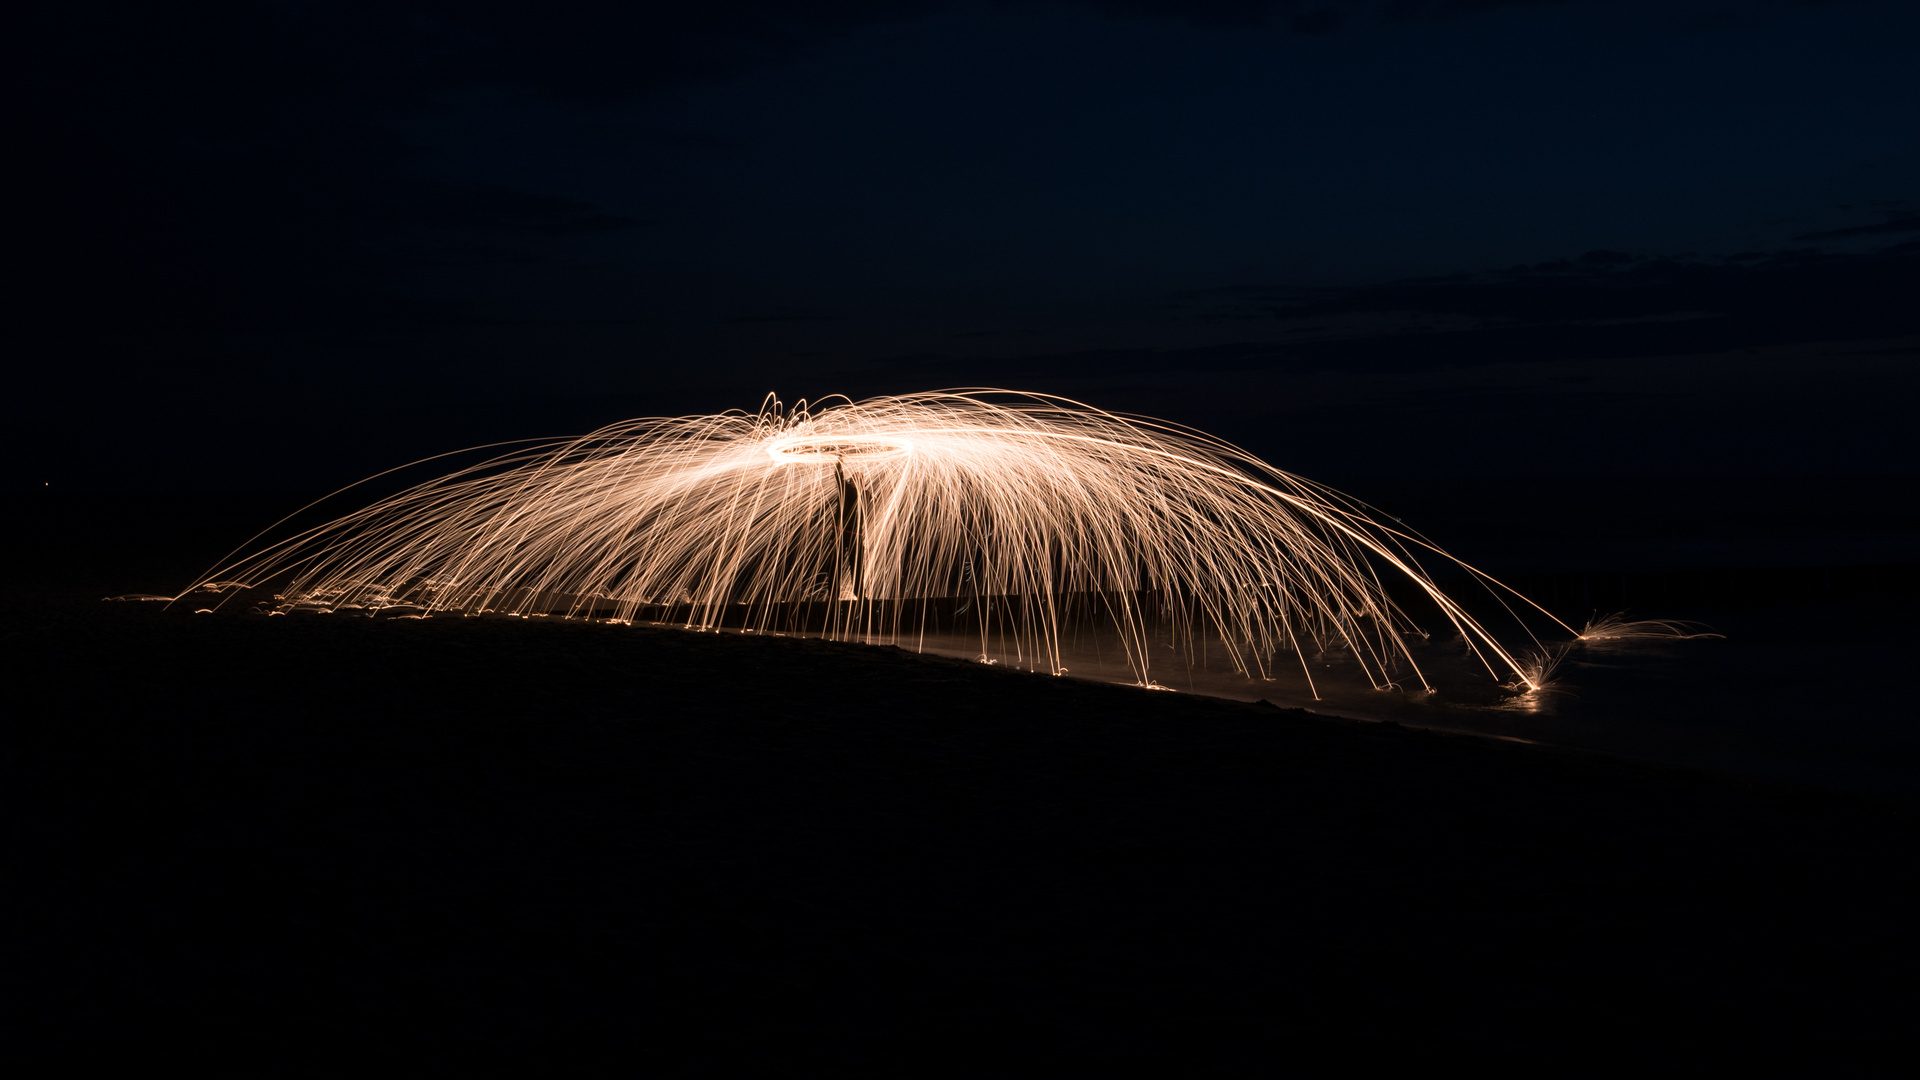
(279, 246)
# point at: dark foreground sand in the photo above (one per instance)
(297, 839)
(306, 841)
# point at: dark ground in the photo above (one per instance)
(302, 840)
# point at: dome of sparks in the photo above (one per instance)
(1015, 515)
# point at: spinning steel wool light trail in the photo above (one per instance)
(1011, 514)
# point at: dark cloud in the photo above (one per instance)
(424, 204)
(1909, 223)
(597, 48)
(1218, 14)
(790, 317)
(1783, 296)
(682, 139)
(1300, 16)
(1323, 21)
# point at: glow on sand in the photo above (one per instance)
(874, 520)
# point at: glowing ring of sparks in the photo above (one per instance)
(817, 450)
(1018, 513)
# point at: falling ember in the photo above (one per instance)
(1019, 513)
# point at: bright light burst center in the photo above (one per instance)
(801, 449)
